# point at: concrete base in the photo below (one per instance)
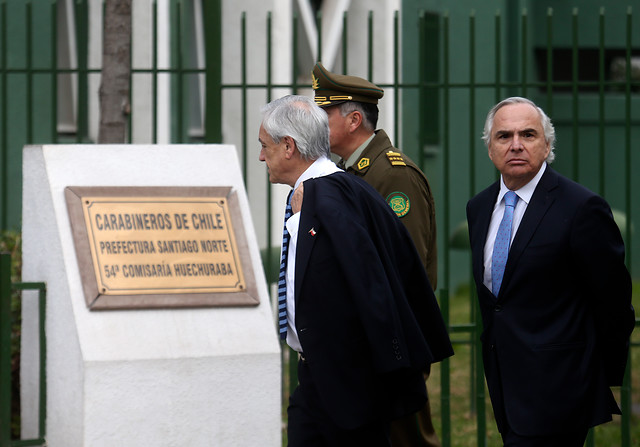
(181, 377)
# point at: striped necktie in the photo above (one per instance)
(282, 278)
(501, 245)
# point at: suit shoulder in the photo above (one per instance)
(343, 187)
(574, 191)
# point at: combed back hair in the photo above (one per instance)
(547, 126)
(301, 119)
(368, 111)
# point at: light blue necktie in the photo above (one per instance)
(282, 278)
(501, 245)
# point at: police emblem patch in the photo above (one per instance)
(363, 163)
(399, 203)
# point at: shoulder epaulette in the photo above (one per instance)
(395, 158)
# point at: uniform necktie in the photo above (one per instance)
(282, 278)
(503, 239)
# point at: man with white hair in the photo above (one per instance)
(355, 301)
(554, 292)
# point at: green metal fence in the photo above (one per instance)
(8, 340)
(449, 68)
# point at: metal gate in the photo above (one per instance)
(450, 67)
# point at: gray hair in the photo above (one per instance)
(301, 119)
(369, 112)
(545, 121)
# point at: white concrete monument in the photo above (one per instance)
(159, 330)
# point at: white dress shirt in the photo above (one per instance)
(524, 197)
(321, 167)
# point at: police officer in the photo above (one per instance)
(351, 104)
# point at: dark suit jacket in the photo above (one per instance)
(366, 315)
(556, 338)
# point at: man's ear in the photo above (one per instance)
(289, 147)
(355, 120)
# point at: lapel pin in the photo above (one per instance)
(312, 232)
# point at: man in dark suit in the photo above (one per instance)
(353, 290)
(557, 309)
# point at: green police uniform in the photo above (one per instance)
(406, 189)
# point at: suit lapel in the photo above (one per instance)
(542, 199)
(309, 227)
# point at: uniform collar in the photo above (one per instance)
(355, 156)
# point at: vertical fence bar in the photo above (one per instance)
(5, 349)
(319, 32)
(345, 40)
(82, 113)
(422, 76)
(498, 59)
(42, 410)
(130, 119)
(472, 177)
(472, 97)
(213, 72)
(293, 355)
(601, 108)
(243, 61)
(627, 135)
(294, 56)
(4, 178)
(445, 401)
(512, 50)
(549, 61)
(574, 87)
(154, 74)
(54, 71)
(29, 69)
(130, 116)
(269, 252)
(590, 441)
(476, 368)
(396, 77)
(370, 46)
(626, 385)
(524, 51)
(180, 74)
(476, 363)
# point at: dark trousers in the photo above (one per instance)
(309, 425)
(415, 430)
(574, 439)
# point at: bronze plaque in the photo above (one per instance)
(154, 247)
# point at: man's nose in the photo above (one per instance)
(261, 156)
(516, 143)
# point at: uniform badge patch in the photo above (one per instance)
(395, 158)
(399, 203)
(363, 163)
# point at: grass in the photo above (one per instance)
(11, 242)
(463, 415)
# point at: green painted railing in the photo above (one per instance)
(6, 290)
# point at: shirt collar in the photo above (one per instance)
(322, 166)
(358, 152)
(526, 192)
